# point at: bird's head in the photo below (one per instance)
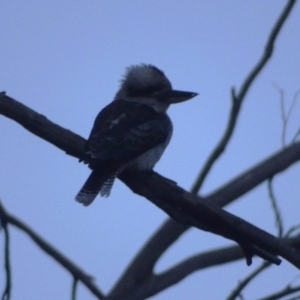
(148, 85)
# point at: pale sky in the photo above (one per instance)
(64, 59)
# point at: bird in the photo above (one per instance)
(132, 132)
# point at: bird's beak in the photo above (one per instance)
(175, 96)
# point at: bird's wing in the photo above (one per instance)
(124, 130)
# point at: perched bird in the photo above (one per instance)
(131, 132)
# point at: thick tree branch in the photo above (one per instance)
(167, 195)
(234, 189)
(170, 231)
(185, 210)
(251, 178)
(38, 124)
(158, 282)
(179, 204)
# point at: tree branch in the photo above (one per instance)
(39, 125)
(175, 201)
(251, 178)
(7, 290)
(243, 183)
(171, 230)
(75, 271)
(158, 282)
(184, 207)
(288, 290)
(238, 99)
(237, 291)
(74, 288)
(179, 204)
(275, 207)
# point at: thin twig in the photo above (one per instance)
(171, 228)
(242, 284)
(288, 290)
(238, 99)
(296, 135)
(7, 290)
(237, 291)
(278, 218)
(296, 95)
(283, 114)
(54, 253)
(292, 230)
(293, 104)
(74, 288)
(216, 257)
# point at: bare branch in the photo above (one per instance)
(7, 290)
(237, 291)
(74, 288)
(171, 228)
(238, 99)
(296, 135)
(285, 116)
(75, 271)
(184, 207)
(156, 283)
(296, 95)
(292, 230)
(44, 123)
(251, 178)
(237, 187)
(278, 218)
(288, 290)
(162, 192)
(190, 265)
(41, 126)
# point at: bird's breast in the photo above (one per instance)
(147, 160)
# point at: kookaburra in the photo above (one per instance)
(131, 132)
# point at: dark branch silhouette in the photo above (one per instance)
(242, 284)
(7, 290)
(171, 230)
(178, 203)
(237, 100)
(138, 281)
(76, 271)
(284, 292)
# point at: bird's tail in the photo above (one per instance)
(95, 184)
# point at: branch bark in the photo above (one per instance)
(178, 203)
(171, 230)
(76, 271)
(186, 208)
(237, 100)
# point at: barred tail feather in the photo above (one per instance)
(95, 184)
